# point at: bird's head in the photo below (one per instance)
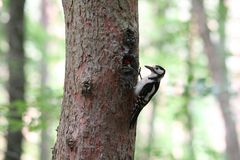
(157, 70)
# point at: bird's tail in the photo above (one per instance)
(134, 116)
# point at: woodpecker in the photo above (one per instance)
(145, 90)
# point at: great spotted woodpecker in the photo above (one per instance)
(145, 90)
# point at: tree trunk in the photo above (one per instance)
(15, 31)
(101, 70)
(151, 130)
(187, 94)
(217, 66)
(45, 137)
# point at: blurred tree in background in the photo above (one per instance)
(217, 68)
(16, 81)
(195, 116)
(44, 48)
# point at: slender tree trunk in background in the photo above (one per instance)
(222, 15)
(45, 137)
(151, 129)
(102, 56)
(187, 91)
(217, 66)
(16, 82)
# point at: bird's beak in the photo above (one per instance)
(149, 67)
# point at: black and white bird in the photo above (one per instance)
(145, 90)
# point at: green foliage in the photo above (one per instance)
(166, 42)
(36, 34)
(37, 39)
(47, 102)
(14, 122)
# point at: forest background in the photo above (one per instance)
(186, 120)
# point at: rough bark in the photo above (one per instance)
(101, 64)
(217, 67)
(45, 137)
(16, 90)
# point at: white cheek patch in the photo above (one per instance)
(160, 71)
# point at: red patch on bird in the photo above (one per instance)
(126, 61)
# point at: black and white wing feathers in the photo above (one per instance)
(143, 98)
